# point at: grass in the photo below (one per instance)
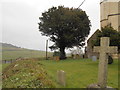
(12, 52)
(6, 55)
(79, 73)
(26, 74)
(0, 76)
(113, 74)
(3, 66)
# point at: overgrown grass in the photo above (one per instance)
(26, 74)
(80, 73)
(3, 66)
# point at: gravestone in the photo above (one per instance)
(110, 59)
(76, 53)
(77, 56)
(61, 77)
(104, 50)
(56, 56)
(94, 58)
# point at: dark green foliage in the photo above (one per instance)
(56, 53)
(109, 32)
(66, 27)
(110, 59)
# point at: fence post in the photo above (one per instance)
(11, 60)
(5, 61)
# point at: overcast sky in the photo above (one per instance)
(20, 20)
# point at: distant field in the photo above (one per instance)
(12, 52)
(23, 53)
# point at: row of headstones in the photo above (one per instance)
(104, 50)
(77, 56)
(11, 60)
(74, 56)
(94, 58)
(7, 61)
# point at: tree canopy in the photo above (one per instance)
(109, 32)
(66, 27)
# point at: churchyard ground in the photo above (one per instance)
(79, 73)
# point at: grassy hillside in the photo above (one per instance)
(12, 52)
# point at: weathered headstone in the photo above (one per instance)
(77, 56)
(56, 56)
(104, 49)
(61, 77)
(94, 58)
(110, 59)
(76, 53)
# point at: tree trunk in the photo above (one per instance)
(62, 53)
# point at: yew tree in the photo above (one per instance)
(66, 27)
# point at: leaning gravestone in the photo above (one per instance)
(110, 59)
(104, 50)
(61, 77)
(94, 58)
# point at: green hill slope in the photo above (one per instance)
(12, 52)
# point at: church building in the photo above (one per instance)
(110, 13)
(109, 16)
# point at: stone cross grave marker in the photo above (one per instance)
(61, 77)
(103, 49)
